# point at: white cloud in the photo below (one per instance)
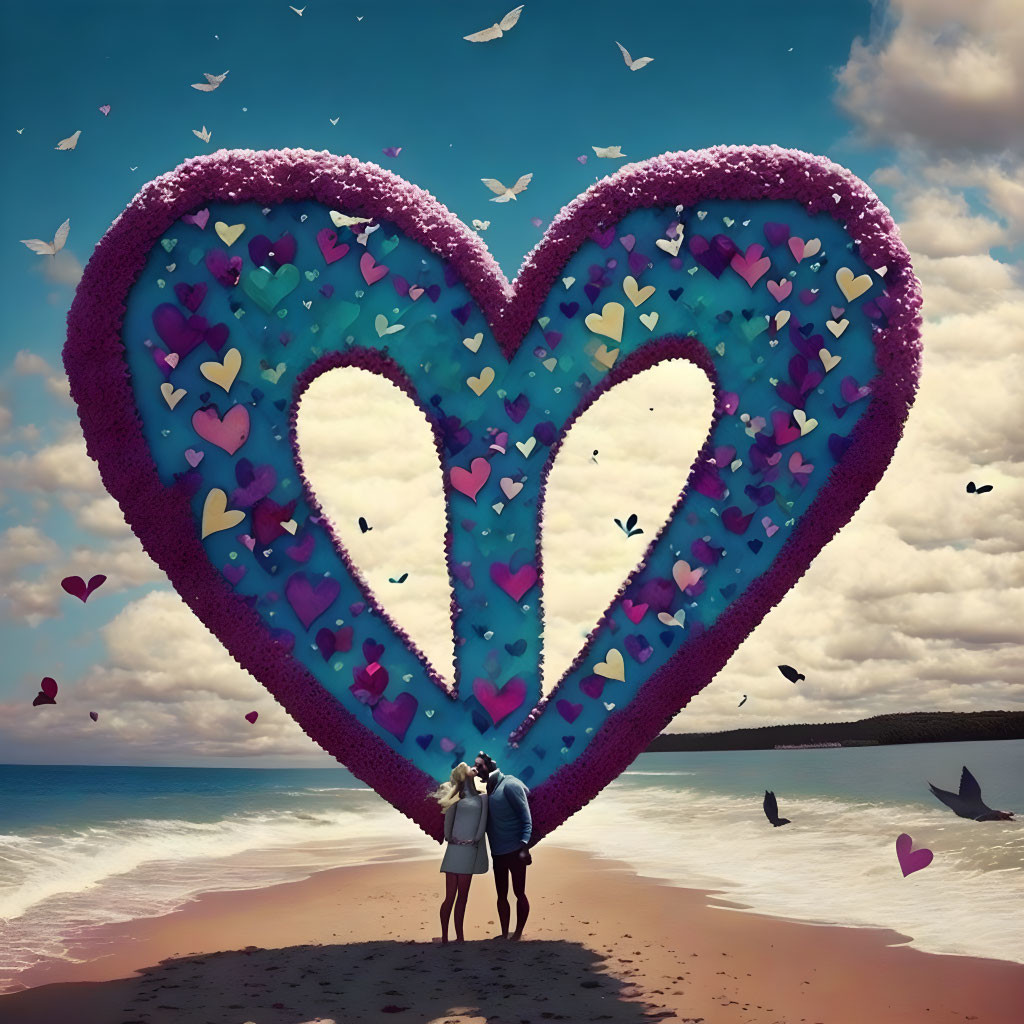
(942, 75)
(62, 466)
(21, 546)
(166, 688)
(937, 222)
(64, 268)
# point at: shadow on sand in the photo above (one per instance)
(391, 982)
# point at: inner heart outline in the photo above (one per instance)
(96, 368)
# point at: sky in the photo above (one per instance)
(917, 605)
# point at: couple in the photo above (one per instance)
(504, 813)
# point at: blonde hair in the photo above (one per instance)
(450, 792)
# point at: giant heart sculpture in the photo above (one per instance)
(232, 282)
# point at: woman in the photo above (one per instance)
(465, 822)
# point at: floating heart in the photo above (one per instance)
(911, 860)
(77, 587)
(268, 620)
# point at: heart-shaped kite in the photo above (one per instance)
(188, 384)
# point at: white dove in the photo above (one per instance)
(504, 192)
(70, 142)
(334, 120)
(204, 134)
(297, 10)
(49, 248)
(212, 81)
(19, 130)
(612, 152)
(498, 28)
(633, 65)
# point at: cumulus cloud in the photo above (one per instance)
(164, 689)
(63, 269)
(941, 75)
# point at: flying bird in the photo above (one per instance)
(19, 130)
(204, 134)
(401, 579)
(297, 10)
(498, 29)
(49, 248)
(968, 803)
(742, 702)
(971, 489)
(610, 152)
(70, 142)
(212, 81)
(771, 809)
(633, 65)
(791, 673)
(334, 120)
(504, 193)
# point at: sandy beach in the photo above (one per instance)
(602, 944)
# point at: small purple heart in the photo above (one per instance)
(592, 686)
(637, 647)
(568, 710)
(776, 234)
(735, 521)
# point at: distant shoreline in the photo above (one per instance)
(882, 730)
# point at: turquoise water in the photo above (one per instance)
(85, 845)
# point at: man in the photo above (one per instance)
(509, 826)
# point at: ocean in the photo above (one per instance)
(84, 845)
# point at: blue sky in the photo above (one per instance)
(727, 72)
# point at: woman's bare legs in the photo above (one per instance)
(460, 905)
(451, 885)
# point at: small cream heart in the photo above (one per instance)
(172, 397)
(637, 295)
(605, 357)
(550, 364)
(829, 361)
(806, 424)
(307, 303)
(812, 247)
(480, 384)
(381, 326)
(474, 343)
(498, 507)
(291, 526)
(613, 667)
(650, 320)
(216, 515)
(568, 282)
(608, 322)
(228, 233)
(671, 247)
(781, 319)
(527, 446)
(223, 374)
(852, 287)
(509, 487)
(171, 267)
(837, 328)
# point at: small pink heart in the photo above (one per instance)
(515, 584)
(797, 464)
(627, 242)
(751, 266)
(199, 218)
(499, 704)
(252, 716)
(193, 458)
(796, 247)
(634, 612)
(447, 745)
(326, 240)
(780, 289)
(371, 270)
(105, 109)
(783, 428)
(769, 527)
(470, 481)
(229, 433)
(911, 860)
(415, 291)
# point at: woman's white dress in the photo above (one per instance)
(466, 821)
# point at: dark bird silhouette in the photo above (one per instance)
(771, 809)
(791, 673)
(983, 489)
(363, 526)
(742, 702)
(968, 803)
